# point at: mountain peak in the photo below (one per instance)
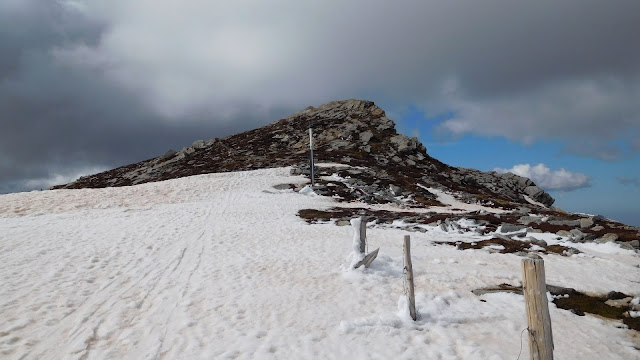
(352, 132)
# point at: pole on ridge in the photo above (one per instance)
(311, 164)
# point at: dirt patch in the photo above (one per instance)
(513, 246)
(578, 302)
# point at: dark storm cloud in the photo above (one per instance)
(60, 122)
(87, 84)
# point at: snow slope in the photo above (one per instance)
(219, 266)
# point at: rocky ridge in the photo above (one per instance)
(354, 132)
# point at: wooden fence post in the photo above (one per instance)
(538, 319)
(363, 234)
(409, 268)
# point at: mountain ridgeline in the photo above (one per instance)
(383, 163)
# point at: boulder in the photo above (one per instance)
(526, 220)
(586, 223)
(577, 235)
(565, 222)
(626, 245)
(608, 238)
(597, 228)
(396, 190)
(404, 143)
(508, 228)
(365, 136)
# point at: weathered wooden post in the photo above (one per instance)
(409, 269)
(363, 234)
(311, 164)
(360, 242)
(538, 319)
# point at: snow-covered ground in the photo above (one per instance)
(219, 266)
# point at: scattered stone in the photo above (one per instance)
(396, 190)
(607, 238)
(563, 233)
(507, 228)
(577, 235)
(616, 295)
(626, 245)
(365, 136)
(571, 251)
(635, 244)
(586, 223)
(597, 228)
(539, 242)
(343, 223)
(526, 220)
(565, 222)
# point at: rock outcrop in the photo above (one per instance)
(353, 132)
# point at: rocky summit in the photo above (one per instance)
(384, 164)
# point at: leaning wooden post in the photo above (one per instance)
(409, 268)
(363, 234)
(538, 319)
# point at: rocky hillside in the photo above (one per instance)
(353, 132)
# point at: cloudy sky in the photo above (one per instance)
(545, 89)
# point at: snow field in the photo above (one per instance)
(219, 266)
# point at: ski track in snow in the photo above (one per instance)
(219, 266)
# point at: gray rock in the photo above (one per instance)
(404, 143)
(526, 220)
(507, 228)
(396, 190)
(539, 242)
(586, 223)
(534, 231)
(571, 251)
(559, 290)
(597, 228)
(365, 136)
(616, 295)
(626, 245)
(343, 223)
(608, 238)
(563, 233)
(635, 244)
(577, 235)
(565, 222)
(198, 144)
(169, 154)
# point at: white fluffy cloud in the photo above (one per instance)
(548, 179)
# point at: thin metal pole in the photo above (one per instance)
(311, 164)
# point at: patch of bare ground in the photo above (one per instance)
(504, 246)
(580, 303)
